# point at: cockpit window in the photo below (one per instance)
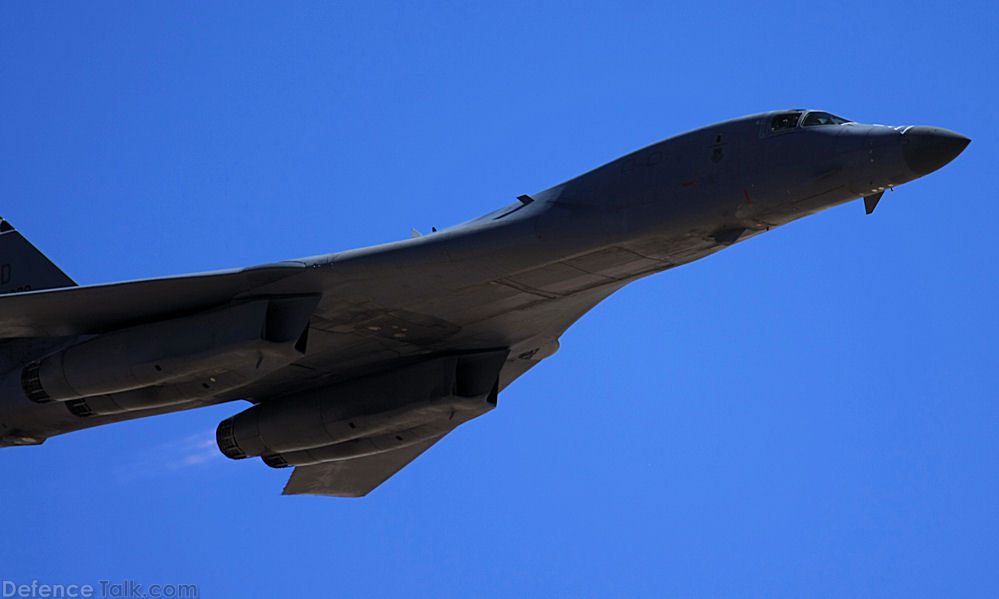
(788, 120)
(823, 118)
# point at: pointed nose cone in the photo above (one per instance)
(928, 148)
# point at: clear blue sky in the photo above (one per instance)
(812, 413)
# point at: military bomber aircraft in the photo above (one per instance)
(359, 361)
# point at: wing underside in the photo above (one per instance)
(97, 308)
(355, 477)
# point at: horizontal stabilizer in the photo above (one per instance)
(355, 477)
(23, 267)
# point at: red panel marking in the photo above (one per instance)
(690, 183)
(748, 201)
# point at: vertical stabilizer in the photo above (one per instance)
(23, 267)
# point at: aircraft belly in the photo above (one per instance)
(364, 338)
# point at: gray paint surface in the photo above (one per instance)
(342, 329)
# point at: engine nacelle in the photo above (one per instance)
(248, 339)
(440, 420)
(366, 415)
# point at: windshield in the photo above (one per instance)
(788, 120)
(823, 118)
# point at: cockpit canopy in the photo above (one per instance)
(813, 118)
(822, 118)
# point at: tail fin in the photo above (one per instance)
(23, 267)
